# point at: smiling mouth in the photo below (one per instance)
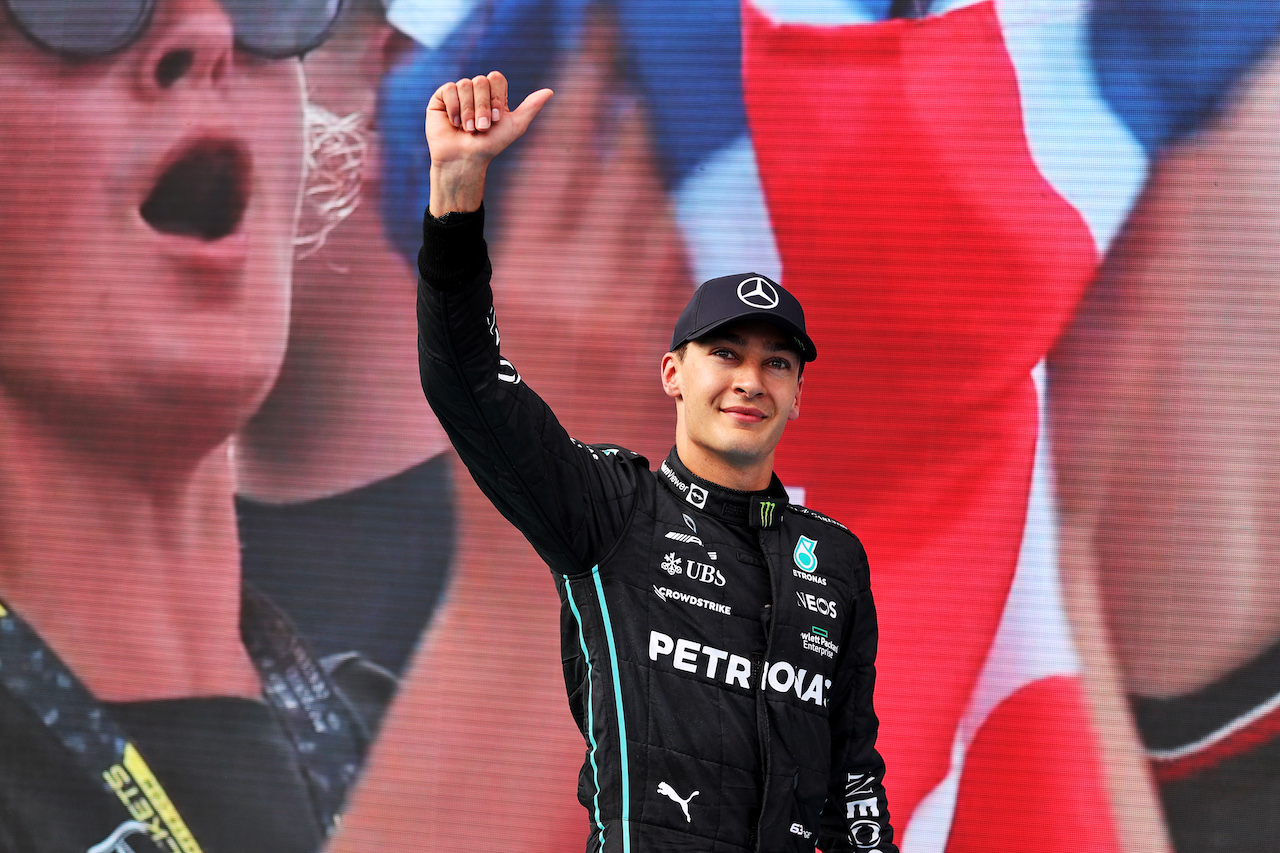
(203, 194)
(755, 415)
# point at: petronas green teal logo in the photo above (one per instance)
(804, 554)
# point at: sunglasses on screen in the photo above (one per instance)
(89, 29)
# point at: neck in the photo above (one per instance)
(130, 574)
(347, 409)
(741, 475)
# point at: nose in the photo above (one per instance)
(746, 380)
(191, 42)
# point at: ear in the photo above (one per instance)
(795, 404)
(671, 379)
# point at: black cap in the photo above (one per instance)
(747, 296)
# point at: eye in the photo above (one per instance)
(780, 364)
(723, 352)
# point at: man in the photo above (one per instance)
(718, 642)
(150, 188)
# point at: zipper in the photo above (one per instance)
(762, 705)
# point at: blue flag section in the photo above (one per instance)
(1167, 66)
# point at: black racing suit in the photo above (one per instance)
(718, 646)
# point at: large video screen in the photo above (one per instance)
(253, 600)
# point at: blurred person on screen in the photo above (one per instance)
(1166, 390)
(150, 171)
(346, 500)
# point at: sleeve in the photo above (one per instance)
(571, 501)
(856, 816)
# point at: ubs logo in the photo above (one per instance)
(700, 572)
(703, 573)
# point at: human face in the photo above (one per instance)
(734, 393)
(147, 205)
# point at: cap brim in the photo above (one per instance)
(808, 352)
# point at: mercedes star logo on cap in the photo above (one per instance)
(758, 293)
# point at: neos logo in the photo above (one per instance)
(861, 810)
(758, 293)
(817, 604)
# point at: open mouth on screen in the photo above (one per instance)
(203, 194)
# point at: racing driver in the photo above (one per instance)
(718, 641)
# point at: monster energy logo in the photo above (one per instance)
(766, 513)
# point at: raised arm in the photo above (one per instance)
(569, 500)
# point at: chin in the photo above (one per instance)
(740, 456)
(193, 413)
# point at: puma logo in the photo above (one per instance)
(667, 791)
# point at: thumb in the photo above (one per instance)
(529, 108)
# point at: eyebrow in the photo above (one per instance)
(738, 340)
